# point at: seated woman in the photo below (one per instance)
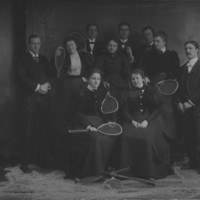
(71, 78)
(115, 67)
(144, 147)
(90, 152)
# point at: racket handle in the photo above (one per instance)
(78, 131)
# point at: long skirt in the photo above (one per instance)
(91, 152)
(145, 151)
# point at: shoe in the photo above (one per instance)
(189, 165)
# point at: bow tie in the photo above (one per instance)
(36, 58)
(123, 42)
(91, 42)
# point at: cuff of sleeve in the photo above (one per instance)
(191, 102)
(37, 88)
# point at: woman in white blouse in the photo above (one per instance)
(76, 66)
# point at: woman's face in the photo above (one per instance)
(71, 47)
(137, 80)
(112, 46)
(94, 80)
(159, 42)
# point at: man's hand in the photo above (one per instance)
(146, 80)
(187, 105)
(181, 107)
(44, 88)
(143, 124)
(130, 54)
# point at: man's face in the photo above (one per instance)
(124, 31)
(148, 35)
(112, 46)
(34, 45)
(159, 42)
(191, 51)
(92, 31)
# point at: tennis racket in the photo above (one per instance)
(167, 87)
(59, 59)
(112, 183)
(110, 129)
(79, 39)
(109, 104)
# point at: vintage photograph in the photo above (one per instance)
(100, 100)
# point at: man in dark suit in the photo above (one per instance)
(93, 46)
(125, 45)
(34, 75)
(189, 104)
(148, 34)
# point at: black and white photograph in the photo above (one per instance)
(99, 100)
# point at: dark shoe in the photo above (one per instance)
(189, 165)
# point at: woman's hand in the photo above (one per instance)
(143, 124)
(134, 123)
(91, 128)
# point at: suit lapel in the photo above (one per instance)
(195, 67)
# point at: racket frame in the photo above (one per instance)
(117, 107)
(161, 82)
(108, 123)
(55, 55)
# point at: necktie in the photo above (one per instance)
(189, 66)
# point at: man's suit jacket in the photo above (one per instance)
(32, 73)
(99, 48)
(190, 84)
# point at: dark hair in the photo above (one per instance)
(32, 36)
(91, 24)
(148, 28)
(161, 34)
(194, 43)
(138, 71)
(69, 38)
(92, 71)
(124, 23)
(112, 38)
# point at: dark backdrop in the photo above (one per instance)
(54, 19)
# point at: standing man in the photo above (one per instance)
(34, 74)
(125, 43)
(93, 46)
(148, 34)
(189, 104)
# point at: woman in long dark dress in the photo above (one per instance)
(144, 147)
(90, 152)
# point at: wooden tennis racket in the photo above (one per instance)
(109, 104)
(79, 39)
(59, 59)
(167, 87)
(110, 129)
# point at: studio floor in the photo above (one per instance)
(51, 185)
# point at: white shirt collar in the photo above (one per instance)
(33, 55)
(163, 49)
(91, 40)
(123, 40)
(192, 61)
(91, 88)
